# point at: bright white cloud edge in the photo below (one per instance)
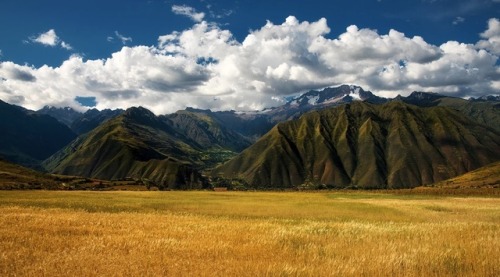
(205, 67)
(189, 12)
(50, 38)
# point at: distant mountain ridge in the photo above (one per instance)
(64, 115)
(254, 124)
(341, 94)
(487, 98)
(91, 119)
(78, 122)
(485, 111)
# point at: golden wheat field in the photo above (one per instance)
(197, 233)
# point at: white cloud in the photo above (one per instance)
(491, 37)
(66, 46)
(50, 38)
(458, 20)
(12, 71)
(122, 38)
(206, 67)
(189, 12)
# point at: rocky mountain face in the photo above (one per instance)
(362, 145)
(328, 96)
(64, 115)
(91, 119)
(78, 122)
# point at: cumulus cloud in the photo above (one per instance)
(491, 37)
(189, 12)
(12, 71)
(50, 38)
(206, 67)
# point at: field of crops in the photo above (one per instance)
(201, 233)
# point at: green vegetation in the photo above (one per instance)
(361, 145)
(204, 129)
(484, 112)
(168, 151)
(135, 145)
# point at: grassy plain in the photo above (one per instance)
(196, 233)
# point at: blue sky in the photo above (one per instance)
(86, 25)
(75, 35)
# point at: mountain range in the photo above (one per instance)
(335, 137)
(80, 123)
(362, 145)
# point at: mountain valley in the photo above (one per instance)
(338, 137)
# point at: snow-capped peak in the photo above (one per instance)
(355, 94)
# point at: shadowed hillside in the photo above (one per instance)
(28, 138)
(362, 145)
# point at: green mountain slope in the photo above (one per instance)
(206, 130)
(394, 145)
(136, 144)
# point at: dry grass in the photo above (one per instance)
(484, 177)
(247, 234)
